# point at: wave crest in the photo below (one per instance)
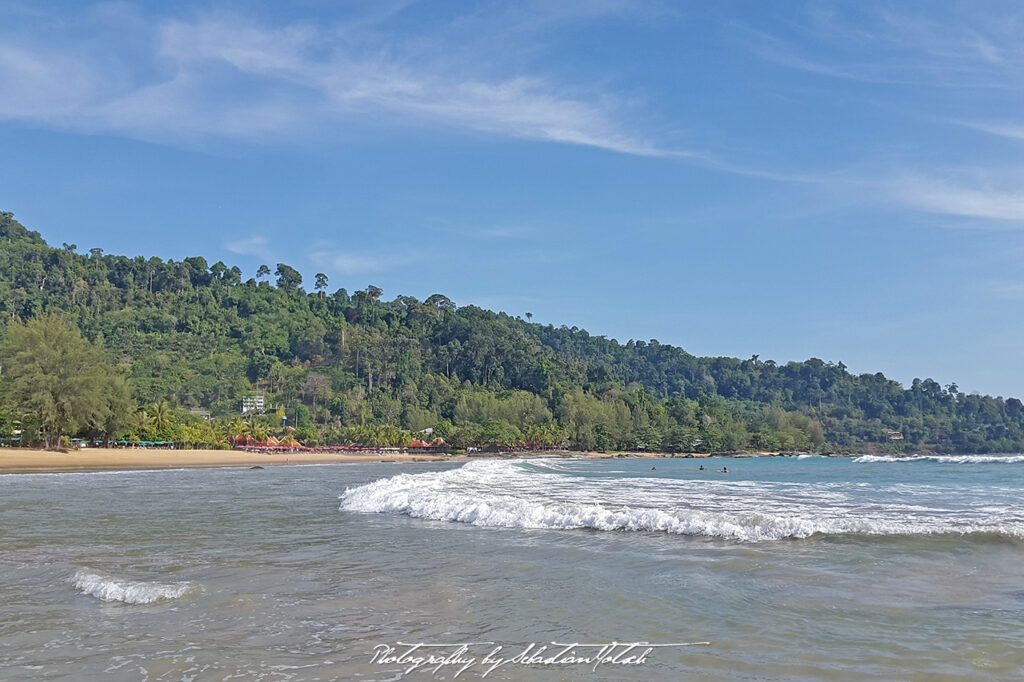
(516, 513)
(127, 592)
(942, 459)
(503, 495)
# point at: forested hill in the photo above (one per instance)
(350, 367)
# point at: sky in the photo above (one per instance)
(789, 179)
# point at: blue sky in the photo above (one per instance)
(837, 180)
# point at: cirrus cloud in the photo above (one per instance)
(226, 75)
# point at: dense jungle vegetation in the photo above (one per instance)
(154, 338)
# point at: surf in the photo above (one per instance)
(535, 495)
(941, 459)
(108, 589)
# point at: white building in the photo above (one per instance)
(253, 403)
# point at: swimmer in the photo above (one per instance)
(701, 468)
(654, 468)
(725, 470)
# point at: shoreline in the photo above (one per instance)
(26, 460)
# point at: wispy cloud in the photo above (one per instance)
(354, 263)
(251, 246)
(945, 62)
(231, 76)
(961, 50)
(1008, 130)
(981, 200)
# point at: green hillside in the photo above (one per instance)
(355, 368)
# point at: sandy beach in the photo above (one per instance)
(27, 460)
(14, 460)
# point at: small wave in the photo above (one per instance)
(544, 464)
(453, 496)
(942, 459)
(128, 592)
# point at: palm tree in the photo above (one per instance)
(258, 432)
(160, 414)
(141, 425)
(233, 428)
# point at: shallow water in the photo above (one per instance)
(791, 569)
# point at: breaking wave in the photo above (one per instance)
(520, 495)
(127, 592)
(942, 459)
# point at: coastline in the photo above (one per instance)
(26, 460)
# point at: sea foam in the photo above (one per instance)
(517, 495)
(506, 512)
(106, 588)
(942, 459)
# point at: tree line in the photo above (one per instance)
(161, 337)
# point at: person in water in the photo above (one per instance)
(654, 468)
(701, 468)
(725, 470)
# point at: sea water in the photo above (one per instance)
(869, 568)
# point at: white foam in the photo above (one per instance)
(128, 592)
(503, 494)
(514, 513)
(942, 459)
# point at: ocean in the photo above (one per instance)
(787, 568)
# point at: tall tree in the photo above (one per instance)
(288, 277)
(55, 378)
(321, 283)
(118, 410)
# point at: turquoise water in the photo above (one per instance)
(789, 569)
